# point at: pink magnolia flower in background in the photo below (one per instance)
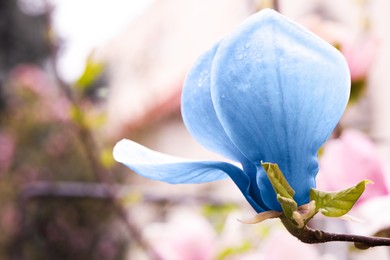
(7, 151)
(348, 160)
(186, 236)
(53, 105)
(360, 55)
(281, 245)
(359, 49)
(375, 213)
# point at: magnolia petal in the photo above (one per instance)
(175, 170)
(198, 110)
(279, 91)
(162, 167)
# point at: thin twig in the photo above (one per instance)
(314, 236)
(69, 189)
(275, 5)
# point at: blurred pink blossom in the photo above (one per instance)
(31, 77)
(282, 245)
(348, 160)
(360, 55)
(359, 49)
(52, 103)
(186, 236)
(375, 214)
(7, 150)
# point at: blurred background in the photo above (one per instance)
(78, 76)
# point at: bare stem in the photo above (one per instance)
(275, 5)
(313, 236)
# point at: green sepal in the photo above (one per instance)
(278, 181)
(283, 190)
(92, 71)
(289, 206)
(336, 204)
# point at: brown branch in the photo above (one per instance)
(313, 236)
(275, 5)
(69, 189)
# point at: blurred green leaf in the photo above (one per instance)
(278, 181)
(358, 87)
(106, 158)
(336, 204)
(283, 190)
(131, 198)
(230, 251)
(217, 214)
(77, 115)
(96, 119)
(210, 210)
(289, 206)
(91, 73)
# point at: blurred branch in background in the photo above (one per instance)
(275, 5)
(41, 189)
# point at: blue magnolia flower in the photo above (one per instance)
(270, 91)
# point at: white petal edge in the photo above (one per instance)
(175, 170)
